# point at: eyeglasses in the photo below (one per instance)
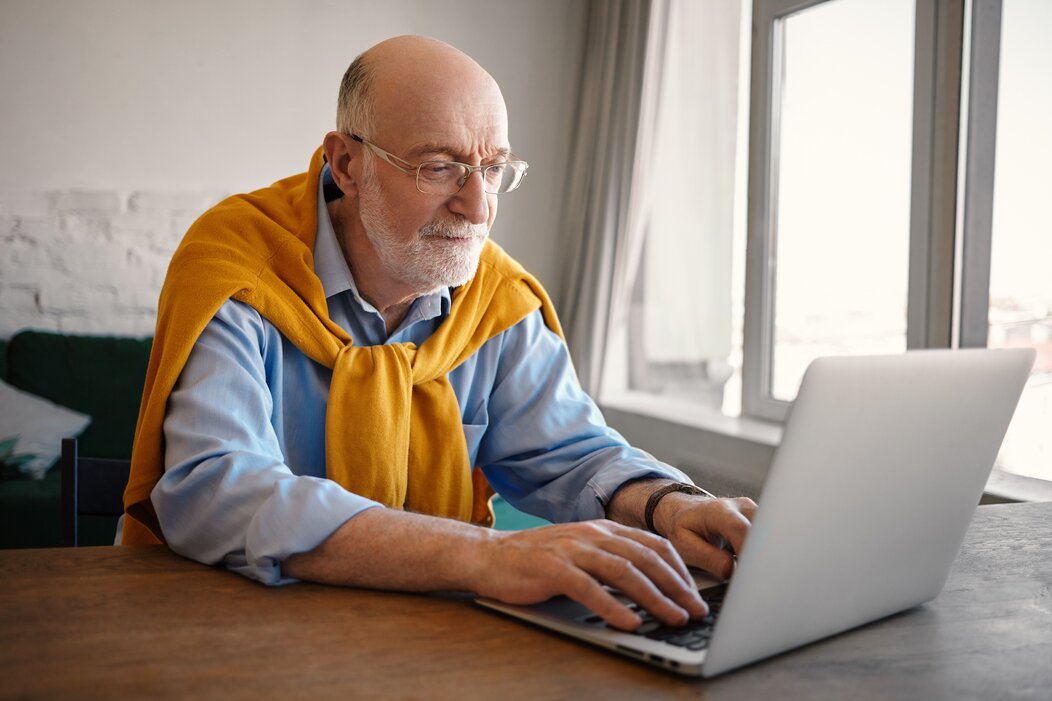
(448, 177)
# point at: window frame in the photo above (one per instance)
(980, 144)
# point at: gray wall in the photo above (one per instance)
(121, 119)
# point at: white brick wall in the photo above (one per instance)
(84, 261)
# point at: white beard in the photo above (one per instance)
(428, 261)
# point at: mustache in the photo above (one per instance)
(453, 230)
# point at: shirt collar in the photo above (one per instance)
(331, 267)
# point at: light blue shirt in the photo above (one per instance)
(245, 481)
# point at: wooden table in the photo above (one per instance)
(140, 623)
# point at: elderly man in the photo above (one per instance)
(335, 352)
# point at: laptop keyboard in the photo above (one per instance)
(694, 635)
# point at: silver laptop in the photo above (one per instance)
(880, 468)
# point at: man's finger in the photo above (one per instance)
(659, 545)
(653, 564)
(747, 507)
(586, 591)
(701, 553)
(622, 574)
(733, 526)
(719, 522)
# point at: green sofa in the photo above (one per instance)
(101, 376)
(96, 375)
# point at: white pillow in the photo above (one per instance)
(39, 426)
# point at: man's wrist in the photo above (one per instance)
(628, 502)
(658, 495)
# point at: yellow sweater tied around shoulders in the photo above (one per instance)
(393, 429)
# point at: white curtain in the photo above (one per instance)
(690, 223)
(611, 142)
(653, 169)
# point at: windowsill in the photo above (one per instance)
(685, 413)
(1002, 487)
(1005, 487)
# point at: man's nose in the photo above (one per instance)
(472, 202)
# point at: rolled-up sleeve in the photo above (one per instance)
(228, 495)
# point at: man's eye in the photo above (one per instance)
(437, 169)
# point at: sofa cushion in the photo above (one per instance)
(36, 427)
(101, 376)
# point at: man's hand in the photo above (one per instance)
(707, 533)
(576, 559)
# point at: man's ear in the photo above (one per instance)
(344, 157)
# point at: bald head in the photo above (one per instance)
(408, 80)
(425, 63)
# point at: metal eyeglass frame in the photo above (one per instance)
(414, 170)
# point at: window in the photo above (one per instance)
(897, 156)
(838, 234)
(1020, 297)
(876, 223)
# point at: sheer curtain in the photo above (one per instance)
(651, 202)
(604, 203)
